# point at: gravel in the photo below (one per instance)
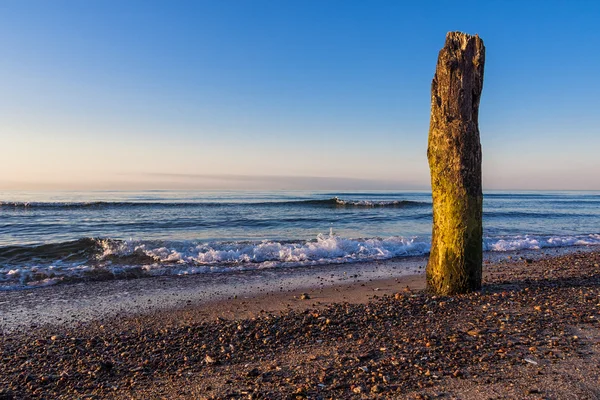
(533, 321)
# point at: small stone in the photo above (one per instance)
(209, 360)
(357, 389)
(105, 366)
(376, 389)
(304, 296)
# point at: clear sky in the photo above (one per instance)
(324, 94)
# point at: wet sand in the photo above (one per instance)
(369, 333)
(232, 294)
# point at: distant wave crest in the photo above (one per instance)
(337, 202)
(331, 202)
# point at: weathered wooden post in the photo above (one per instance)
(454, 154)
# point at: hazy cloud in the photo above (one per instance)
(232, 181)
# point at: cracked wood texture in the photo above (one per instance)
(454, 155)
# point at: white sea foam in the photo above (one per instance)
(324, 249)
(139, 258)
(372, 203)
(538, 242)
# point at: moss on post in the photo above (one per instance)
(454, 155)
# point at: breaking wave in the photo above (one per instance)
(336, 201)
(103, 259)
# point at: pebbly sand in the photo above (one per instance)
(354, 331)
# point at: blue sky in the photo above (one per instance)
(287, 94)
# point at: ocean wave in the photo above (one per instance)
(537, 195)
(534, 215)
(103, 259)
(120, 259)
(531, 242)
(334, 201)
(98, 205)
(80, 250)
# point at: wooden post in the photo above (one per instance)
(454, 154)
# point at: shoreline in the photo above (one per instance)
(240, 293)
(73, 304)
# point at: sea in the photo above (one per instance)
(51, 238)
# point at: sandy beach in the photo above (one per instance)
(531, 333)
